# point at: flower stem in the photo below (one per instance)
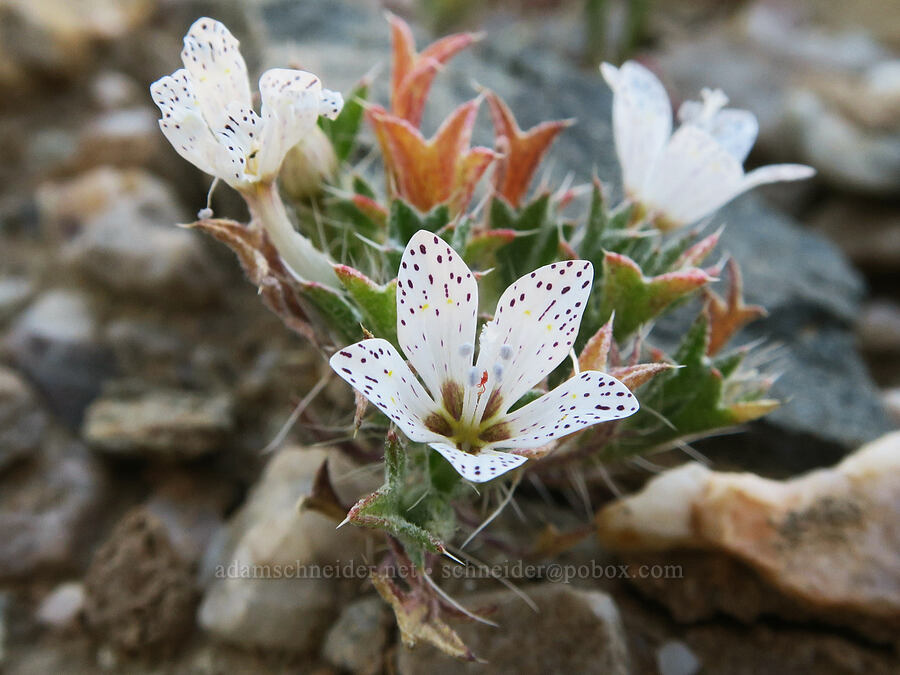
(298, 253)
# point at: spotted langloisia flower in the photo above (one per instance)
(208, 116)
(461, 405)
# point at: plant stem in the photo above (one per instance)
(298, 253)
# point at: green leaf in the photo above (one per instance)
(691, 399)
(461, 231)
(333, 309)
(361, 187)
(436, 219)
(637, 299)
(403, 222)
(384, 509)
(537, 243)
(342, 131)
(376, 303)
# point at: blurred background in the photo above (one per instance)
(140, 376)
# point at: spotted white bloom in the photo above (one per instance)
(678, 178)
(460, 407)
(208, 116)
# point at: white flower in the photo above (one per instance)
(462, 409)
(208, 116)
(678, 178)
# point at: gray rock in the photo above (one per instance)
(54, 342)
(191, 504)
(357, 640)
(22, 421)
(268, 583)
(811, 291)
(126, 137)
(160, 424)
(49, 511)
(112, 89)
(573, 631)
(120, 230)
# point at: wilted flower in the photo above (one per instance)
(462, 409)
(678, 178)
(208, 116)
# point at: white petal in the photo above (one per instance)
(330, 104)
(485, 466)
(776, 173)
(586, 399)
(218, 73)
(182, 124)
(290, 108)
(536, 322)
(437, 307)
(736, 130)
(694, 176)
(375, 369)
(642, 120)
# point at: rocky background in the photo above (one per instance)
(140, 376)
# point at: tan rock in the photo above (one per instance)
(274, 570)
(827, 542)
(573, 631)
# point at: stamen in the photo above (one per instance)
(474, 377)
(713, 101)
(506, 352)
(498, 370)
(466, 348)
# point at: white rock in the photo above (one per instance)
(676, 658)
(60, 609)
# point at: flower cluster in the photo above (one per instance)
(407, 276)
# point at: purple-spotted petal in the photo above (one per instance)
(183, 125)
(290, 108)
(586, 399)
(533, 329)
(376, 370)
(437, 305)
(481, 467)
(212, 57)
